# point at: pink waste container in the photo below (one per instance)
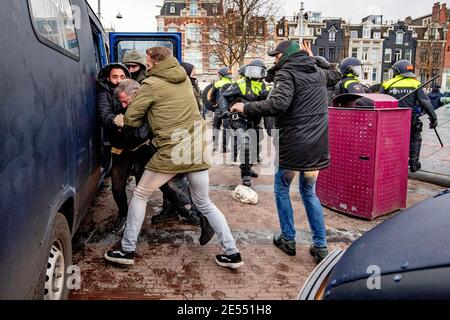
(369, 148)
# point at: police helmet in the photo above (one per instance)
(241, 70)
(404, 68)
(225, 72)
(256, 69)
(351, 65)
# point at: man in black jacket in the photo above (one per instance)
(299, 103)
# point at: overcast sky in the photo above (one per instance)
(139, 15)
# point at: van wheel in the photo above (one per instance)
(59, 259)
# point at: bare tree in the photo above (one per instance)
(240, 29)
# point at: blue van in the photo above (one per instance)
(53, 154)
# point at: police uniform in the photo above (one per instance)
(214, 98)
(245, 90)
(350, 84)
(400, 86)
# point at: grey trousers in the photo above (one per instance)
(199, 187)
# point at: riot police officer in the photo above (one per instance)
(214, 96)
(249, 88)
(351, 69)
(403, 83)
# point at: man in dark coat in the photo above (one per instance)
(299, 103)
(435, 97)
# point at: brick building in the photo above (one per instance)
(195, 20)
(430, 32)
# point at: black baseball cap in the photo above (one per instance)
(281, 48)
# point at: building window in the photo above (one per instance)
(214, 10)
(408, 54)
(322, 52)
(398, 54)
(355, 53)
(377, 35)
(332, 54)
(213, 61)
(399, 38)
(374, 75)
(291, 31)
(365, 54)
(172, 29)
(386, 75)
(423, 55)
(270, 29)
(194, 8)
(354, 34)
(271, 45)
(54, 24)
(280, 32)
(388, 55)
(192, 34)
(214, 36)
(375, 54)
(194, 57)
(160, 26)
(332, 36)
(261, 30)
(436, 55)
(366, 32)
(172, 9)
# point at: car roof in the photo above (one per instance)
(416, 238)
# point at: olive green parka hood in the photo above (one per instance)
(169, 70)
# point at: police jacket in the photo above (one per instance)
(400, 86)
(244, 90)
(350, 84)
(217, 89)
(298, 101)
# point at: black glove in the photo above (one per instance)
(433, 123)
(323, 63)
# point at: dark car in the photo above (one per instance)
(406, 257)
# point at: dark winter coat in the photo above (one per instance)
(108, 107)
(298, 101)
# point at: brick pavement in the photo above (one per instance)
(172, 265)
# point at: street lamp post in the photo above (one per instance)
(99, 13)
(300, 39)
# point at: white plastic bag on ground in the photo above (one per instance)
(245, 195)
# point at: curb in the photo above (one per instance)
(431, 177)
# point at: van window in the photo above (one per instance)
(55, 26)
(141, 45)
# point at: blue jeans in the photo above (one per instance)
(307, 185)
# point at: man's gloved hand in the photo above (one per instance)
(433, 123)
(119, 121)
(323, 63)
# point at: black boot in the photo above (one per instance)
(414, 165)
(166, 215)
(190, 216)
(207, 231)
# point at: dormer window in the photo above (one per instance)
(399, 37)
(332, 33)
(172, 8)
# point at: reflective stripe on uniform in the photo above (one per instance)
(402, 82)
(256, 87)
(219, 84)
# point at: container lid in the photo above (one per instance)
(365, 101)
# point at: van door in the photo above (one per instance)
(122, 42)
